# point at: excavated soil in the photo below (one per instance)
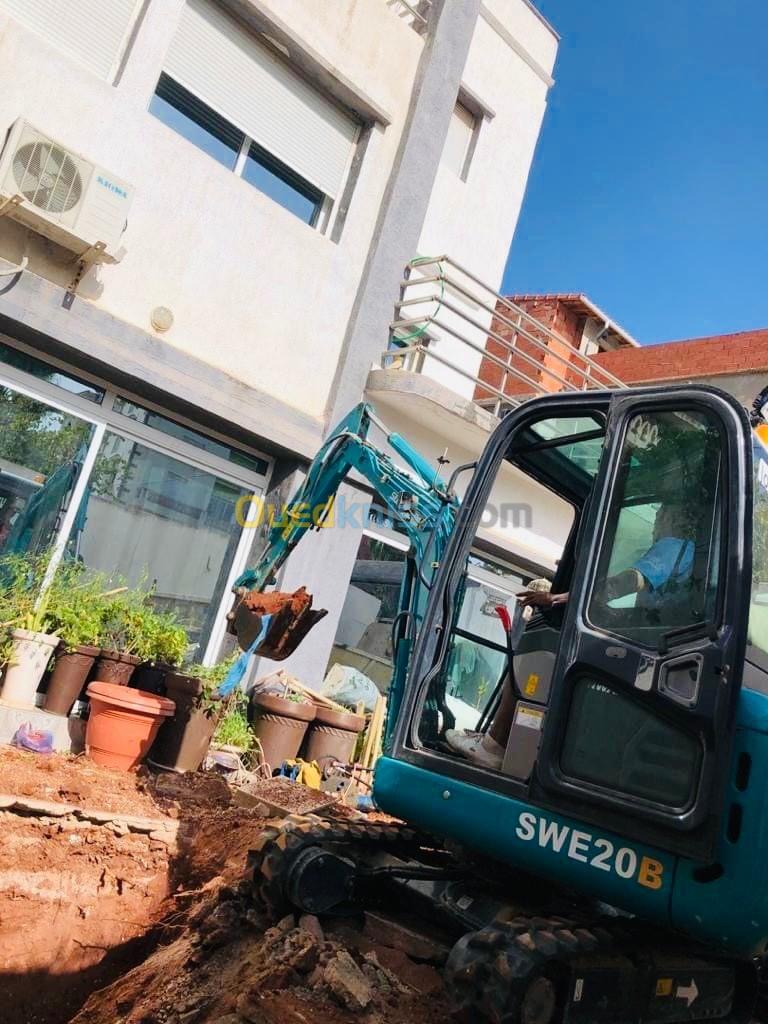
(89, 893)
(82, 892)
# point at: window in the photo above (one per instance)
(159, 422)
(158, 505)
(658, 570)
(41, 455)
(613, 742)
(159, 523)
(478, 655)
(90, 31)
(190, 117)
(43, 371)
(232, 95)
(460, 140)
(758, 611)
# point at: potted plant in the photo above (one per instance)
(280, 719)
(30, 640)
(76, 609)
(162, 647)
(121, 635)
(183, 740)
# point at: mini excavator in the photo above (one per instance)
(612, 868)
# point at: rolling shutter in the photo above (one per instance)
(244, 81)
(93, 32)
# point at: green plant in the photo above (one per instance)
(124, 617)
(170, 640)
(21, 606)
(211, 677)
(233, 730)
(76, 600)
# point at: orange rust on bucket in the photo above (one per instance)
(292, 618)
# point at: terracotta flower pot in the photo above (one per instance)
(332, 736)
(123, 724)
(183, 740)
(31, 653)
(280, 725)
(70, 672)
(150, 677)
(115, 667)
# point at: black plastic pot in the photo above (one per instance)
(183, 740)
(70, 672)
(150, 677)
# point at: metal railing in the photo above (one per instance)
(451, 326)
(418, 9)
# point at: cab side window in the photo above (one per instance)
(659, 566)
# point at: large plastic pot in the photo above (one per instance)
(280, 725)
(183, 740)
(332, 736)
(150, 677)
(70, 672)
(115, 667)
(30, 654)
(123, 724)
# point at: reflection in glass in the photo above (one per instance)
(223, 449)
(162, 524)
(364, 633)
(44, 371)
(41, 454)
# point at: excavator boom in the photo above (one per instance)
(417, 497)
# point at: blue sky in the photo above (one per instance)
(649, 190)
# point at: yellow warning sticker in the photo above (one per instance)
(531, 684)
(664, 987)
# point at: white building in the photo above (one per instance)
(275, 164)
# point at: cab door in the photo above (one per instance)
(638, 735)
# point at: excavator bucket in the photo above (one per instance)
(292, 618)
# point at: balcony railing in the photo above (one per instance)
(451, 326)
(418, 9)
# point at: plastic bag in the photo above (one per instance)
(349, 686)
(28, 738)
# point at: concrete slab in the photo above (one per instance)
(68, 733)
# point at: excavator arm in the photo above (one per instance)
(417, 497)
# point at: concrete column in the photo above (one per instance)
(406, 198)
(323, 562)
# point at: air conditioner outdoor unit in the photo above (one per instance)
(62, 195)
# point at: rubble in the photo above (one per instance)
(347, 982)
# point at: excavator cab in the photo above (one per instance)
(625, 695)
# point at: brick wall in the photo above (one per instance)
(746, 352)
(552, 314)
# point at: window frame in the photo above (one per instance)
(103, 417)
(611, 526)
(247, 147)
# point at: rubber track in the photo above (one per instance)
(270, 860)
(489, 970)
